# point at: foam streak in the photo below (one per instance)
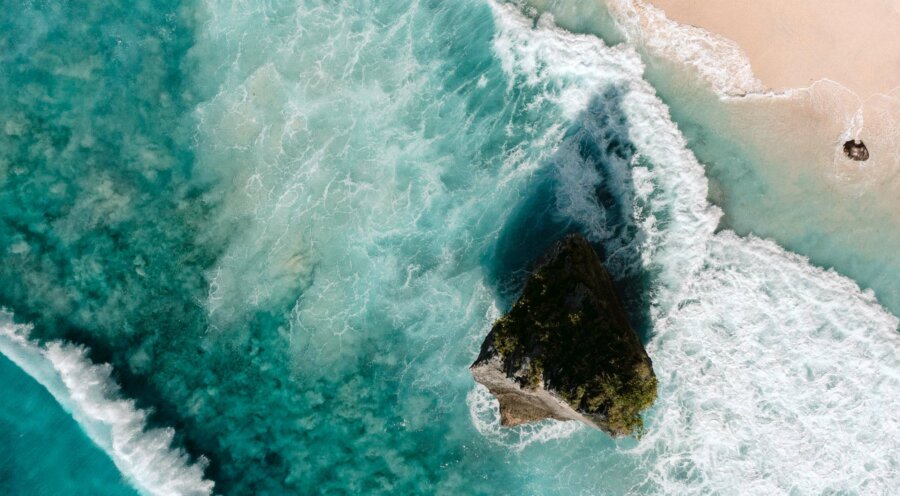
(146, 456)
(776, 377)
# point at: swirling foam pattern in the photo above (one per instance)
(295, 259)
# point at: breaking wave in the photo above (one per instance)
(386, 173)
(775, 376)
(145, 456)
(718, 61)
(485, 412)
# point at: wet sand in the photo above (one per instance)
(773, 149)
(772, 136)
(799, 79)
(795, 43)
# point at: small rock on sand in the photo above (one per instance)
(856, 150)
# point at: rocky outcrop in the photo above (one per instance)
(856, 150)
(566, 351)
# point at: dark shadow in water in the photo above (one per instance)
(130, 282)
(596, 139)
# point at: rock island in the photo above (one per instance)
(566, 351)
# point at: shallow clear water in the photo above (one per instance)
(288, 225)
(770, 163)
(44, 450)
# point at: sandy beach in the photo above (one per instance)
(768, 96)
(793, 44)
(798, 80)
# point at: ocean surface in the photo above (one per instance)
(44, 448)
(252, 247)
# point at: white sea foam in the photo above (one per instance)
(716, 59)
(530, 53)
(145, 456)
(776, 377)
(485, 413)
(484, 410)
(576, 69)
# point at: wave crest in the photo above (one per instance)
(776, 376)
(720, 62)
(145, 456)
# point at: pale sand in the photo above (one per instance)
(791, 130)
(795, 130)
(793, 43)
(798, 78)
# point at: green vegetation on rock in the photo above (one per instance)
(569, 334)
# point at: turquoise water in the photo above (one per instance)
(801, 211)
(288, 225)
(44, 450)
(784, 199)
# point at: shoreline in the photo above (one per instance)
(795, 44)
(818, 117)
(779, 153)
